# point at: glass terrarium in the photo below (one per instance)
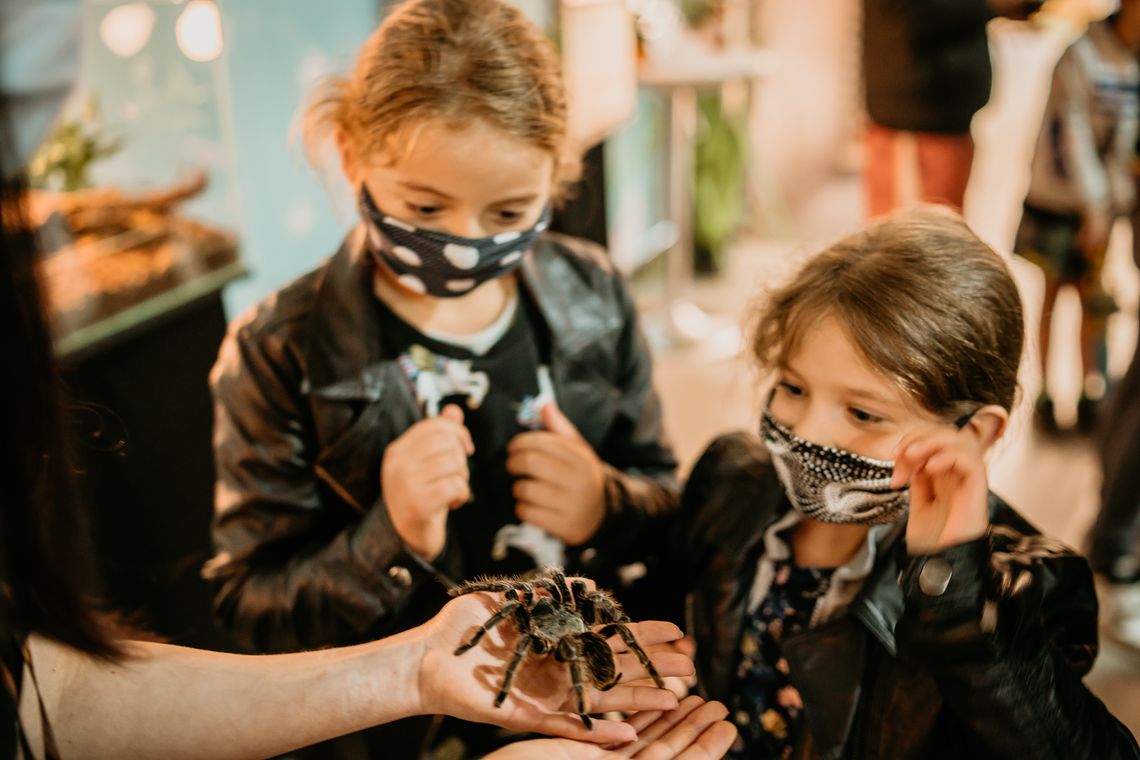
(134, 193)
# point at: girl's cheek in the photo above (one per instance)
(879, 445)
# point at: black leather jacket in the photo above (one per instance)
(306, 401)
(991, 667)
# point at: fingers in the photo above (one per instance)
(549, 520)
(449, 462)
(667, 664)
(451, 419)
(434, 435)
(558, 423)
(678, 686)
(701, 733)
(626, 699)
(651, 732)
(714, 743)
(452, 413)
(530, 455)
(648, 633)
(454, 491)
(533, 720)
(913, 453)
(537, 494)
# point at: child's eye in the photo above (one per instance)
(791, 390)
(423, 210)
(508, 217)
(863, 416)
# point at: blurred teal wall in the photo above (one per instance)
(276, 51)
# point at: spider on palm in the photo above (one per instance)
(570, 620)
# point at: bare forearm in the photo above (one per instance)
(174, 702)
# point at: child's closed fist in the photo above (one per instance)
(561, 481)
(424, 475)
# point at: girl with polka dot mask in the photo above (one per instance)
(457, 391)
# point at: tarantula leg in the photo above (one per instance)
(579, 693)
(506, 610)
(495, 585)
(509, 677)
(555, 585)
(564, 594)
(610, 684)
(627, 636)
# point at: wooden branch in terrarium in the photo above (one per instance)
(109, 252)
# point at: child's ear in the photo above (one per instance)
(988, 424)
(348, 159)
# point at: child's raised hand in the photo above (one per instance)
(424, 475)
(949, 490)
(560, 486)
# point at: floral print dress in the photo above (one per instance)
(764, 704)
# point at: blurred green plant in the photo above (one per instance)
(697, 12)
(718, 197)
(65, 159)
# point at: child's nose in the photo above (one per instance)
(816, 425)
(467, 226)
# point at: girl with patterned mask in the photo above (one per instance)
(848, 570)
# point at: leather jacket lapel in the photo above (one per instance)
(879, 604)
(360, 399)
(344, 345)
(583, 334)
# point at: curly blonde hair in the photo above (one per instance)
(450, 61)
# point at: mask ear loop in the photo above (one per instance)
(962, 421)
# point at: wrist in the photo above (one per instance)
(393, 676)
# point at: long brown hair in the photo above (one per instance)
(450, 60)
(929, 305)
(42, 549)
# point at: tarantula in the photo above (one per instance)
(570, 621)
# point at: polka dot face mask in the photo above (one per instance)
(442, 265)
(833, 485)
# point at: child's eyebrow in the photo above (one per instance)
(424, 188)
(866, 395)
(516, 199)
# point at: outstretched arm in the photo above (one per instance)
(173, 702)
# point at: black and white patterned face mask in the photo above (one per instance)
(442, 265)
(833, 485)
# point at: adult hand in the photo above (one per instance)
(424, 475)
(681, 685)
(949, 491)
(695, 730)
(541, 698)
(560, 484)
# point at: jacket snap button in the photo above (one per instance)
(401, 575)
(935, 576)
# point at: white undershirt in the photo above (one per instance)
(479, 343)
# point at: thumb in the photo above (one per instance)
(452, 413)
(556, 422)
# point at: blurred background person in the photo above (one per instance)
(1114, 540)
(926, 72)
(1081, 183)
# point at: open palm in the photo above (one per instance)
(695, 730)
(541, 698)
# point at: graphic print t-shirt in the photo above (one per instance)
(500, 395)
